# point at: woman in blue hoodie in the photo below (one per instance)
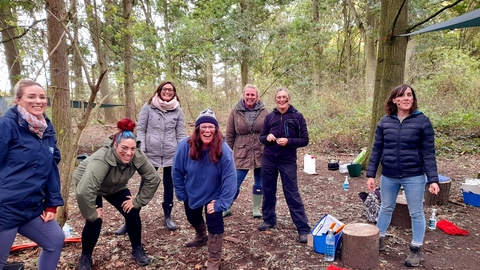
(405, 146)
(29, 177)
(205, 178)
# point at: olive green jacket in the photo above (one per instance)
(103, 173)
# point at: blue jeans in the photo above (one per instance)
(414, 188)
(257, 180)
(48, 235)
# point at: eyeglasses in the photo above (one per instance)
(204, 128)
(168, 90)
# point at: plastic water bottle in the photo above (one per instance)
(330, 246)
(67, 230)
(432, 222)
(346, 184)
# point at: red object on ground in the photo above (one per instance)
(450, 228)
(32, 244)
(333, 267)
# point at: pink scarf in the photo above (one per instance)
(36, 124)
(165, 105)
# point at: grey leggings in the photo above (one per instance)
(48, 235)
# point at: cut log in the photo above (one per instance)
(401, 216)
(441, 198)
(360, 246)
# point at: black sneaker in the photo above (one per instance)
(265, 226)
(303, 238)
(139, 255)
(85, 262)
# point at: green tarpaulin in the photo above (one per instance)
(470, 19)
(5, 104)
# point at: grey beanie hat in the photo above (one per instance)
(206, 116)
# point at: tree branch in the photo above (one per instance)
(26, 30)
(396, 18)
(77, 49)
(433, 15)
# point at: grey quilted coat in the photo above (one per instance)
(247, 149)
(159, 133)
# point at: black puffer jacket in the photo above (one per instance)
(404, 148)
(290, 125)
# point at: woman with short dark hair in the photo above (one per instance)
(405, 147)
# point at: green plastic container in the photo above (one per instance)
(354, 170)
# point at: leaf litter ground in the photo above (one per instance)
(247, 248)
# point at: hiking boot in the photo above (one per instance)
(121, 231)
(303, 238)
(381, 244)
(414, 257)
(139, 255)
(200, 236)
(265, 226)
(85, 262)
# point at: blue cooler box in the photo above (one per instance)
(319, 233)
(471, 198)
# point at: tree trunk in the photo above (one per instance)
(76, 63)
(360, 246)
(391, 59)
(244, 57)
(412, 43)
(347, 45)
(128, 61)
(12, 52)
(60, 93)
(370, 49)
(316, 48)
(209, 73)
(97, 27)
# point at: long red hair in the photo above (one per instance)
(196, 145)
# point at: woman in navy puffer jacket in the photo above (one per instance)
(405, 146)
(29, 177)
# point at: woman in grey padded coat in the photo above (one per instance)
(161, 125)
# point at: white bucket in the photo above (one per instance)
(343, 168)
(309, 164)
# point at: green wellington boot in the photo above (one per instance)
(257, 202)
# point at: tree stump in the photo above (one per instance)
(401, 216)
(442, 197)
(360, 246)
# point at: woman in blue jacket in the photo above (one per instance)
(405, 146)
(29, 177)
(205, 178)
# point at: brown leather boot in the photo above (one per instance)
(215, 242)
(200, 237)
